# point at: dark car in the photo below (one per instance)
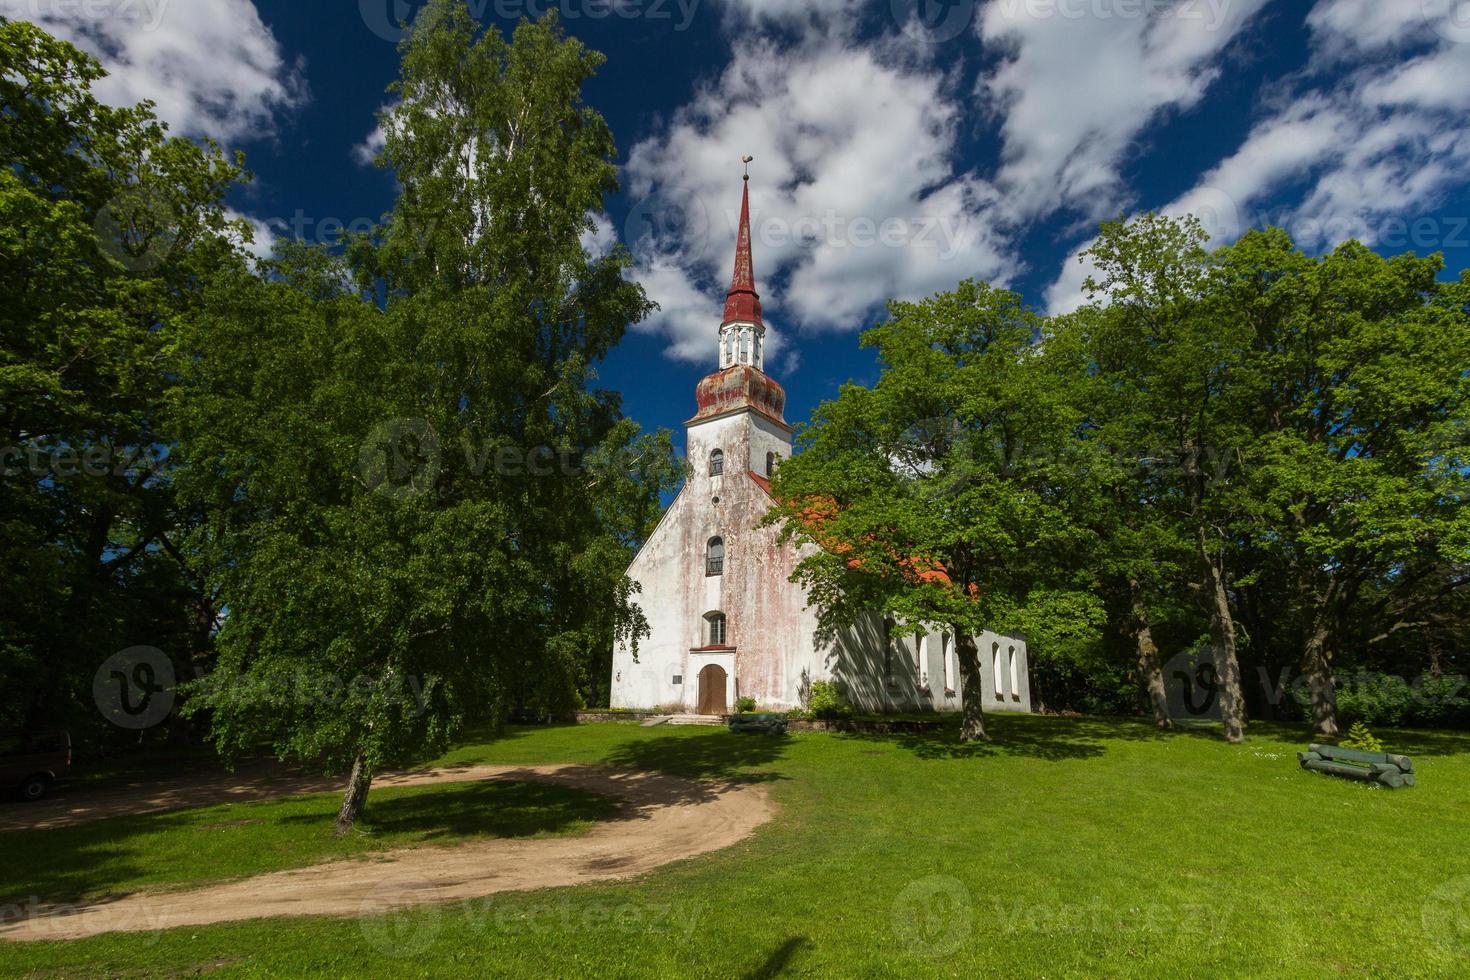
(31, 761)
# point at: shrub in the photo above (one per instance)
(1384, 699)
(744, 704)
(1358, 737)
(828, 701)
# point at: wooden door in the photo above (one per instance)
(712, 690)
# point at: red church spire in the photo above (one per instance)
(743, 302)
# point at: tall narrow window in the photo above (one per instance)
(770, 464)
(716, 462)
(714, 634)
(1015, 676)
(887, 647)
(945, 654)
(995, 667)
(919, 656)
(744, 347)
(729, 347)
(714, 558)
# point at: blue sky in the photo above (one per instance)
(899, 146)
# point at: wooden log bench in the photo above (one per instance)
(1383, 768)
(765, 723)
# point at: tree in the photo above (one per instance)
(938, 495)
(105, 225)
(1161, 339)
(1358, 457)
(423, 508)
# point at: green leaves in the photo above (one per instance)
(424, 499)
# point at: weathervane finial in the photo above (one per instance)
(746, 160)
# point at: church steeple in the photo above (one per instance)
(742, 331)
(741, 383)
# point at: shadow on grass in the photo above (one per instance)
(719, 758)
(65, 864)
(1045, 737)
(493, 808)
(118, 855)
(1056, 738)
(775, 964)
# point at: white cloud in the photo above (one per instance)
(600, 238)
(1081, 79)
(1365, 143)
(263, 244)
(366, 152)
(854, 193)
(212, 66)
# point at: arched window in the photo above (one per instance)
(716, 462)
(997, 669)
(770, 464)
(744, 347)
(714, 629)
(1015, 676)
(714, 557)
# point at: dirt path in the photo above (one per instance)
(663, 819)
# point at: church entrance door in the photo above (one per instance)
(712, 690)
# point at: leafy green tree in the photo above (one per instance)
(1358, 460)
(419, 510)
(105, 225)
(1160, 340)
(940, 494)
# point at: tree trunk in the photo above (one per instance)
(1222, 637)
(1148, 658)
(355, 798)
(1317, 669)
(1316, 654)
(972, 687)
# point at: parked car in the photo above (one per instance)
(31, 761)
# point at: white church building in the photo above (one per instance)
(725, 619)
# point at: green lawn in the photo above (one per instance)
(1066, 847)
(125, 854)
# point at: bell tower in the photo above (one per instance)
(740, 406)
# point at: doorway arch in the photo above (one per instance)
(712, 680)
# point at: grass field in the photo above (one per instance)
(1065, 847)
(212, 843)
